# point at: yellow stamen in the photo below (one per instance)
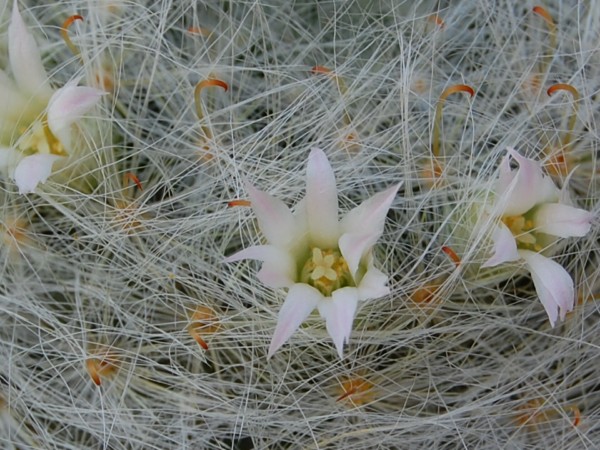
(326, 270)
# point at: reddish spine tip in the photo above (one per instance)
(200, 31)
(92, 368)
(452, 255)
(233, 203)
(212, 82)
(543, 12)
(130, 176)
(437, 20)
(200, 341)
(69, 21)
(320, 69)
(563, 87)
(346, 394)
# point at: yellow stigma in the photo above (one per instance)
(326, 270)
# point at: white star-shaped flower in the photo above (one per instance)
(323, 262)
(533, 214)
(36, 122)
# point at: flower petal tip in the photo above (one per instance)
(33, 170)
(24, 55)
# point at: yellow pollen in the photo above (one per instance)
(326, 270)
(40, 139)
(323, 266)
(522, 230)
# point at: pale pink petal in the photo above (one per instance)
(528, 187)
(24, 55)
(373, 284)
(562, 220)
(301, 300)
(338, 312)
(278, 269)
(33, 170)
(354, 246)
(505, 246)
(369, 216)
(553, 284)
(67, 106)
(274, 218)
(321, 201)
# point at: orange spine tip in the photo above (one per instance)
(69, 21)
(130, 176)
(437, 20)
(563, 87)
(197, 100)
(321, 69)
(199, 31)
(233, 203)
(201, 342)
(452, 255)
(573, 119)
(64, 32)
(544, 14)
(346, 394)
(437, 124)
(576, 414)
(211, 82)
(91, 366)
(457, 88)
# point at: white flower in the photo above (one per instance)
(324, 263)
(36, 122)
(533, 214)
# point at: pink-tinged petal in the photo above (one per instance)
(301, 300)
(9, 157)
(24, 55)
(528, 187)
(369, 216)
(321, 201)
(338, 312)
(67, 106)
(562, 220)
(354, 246)
(274, 218)
(553, 285)
(373, 284)
(505, 247)
(33, 170)
(278, 269)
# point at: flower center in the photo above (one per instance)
(40, 139)
(522, 230)
(326, 270)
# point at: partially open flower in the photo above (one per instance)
(37, 124)
(324, 263)
(533, 214)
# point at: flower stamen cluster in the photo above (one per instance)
(326, 270)
(523, 229)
